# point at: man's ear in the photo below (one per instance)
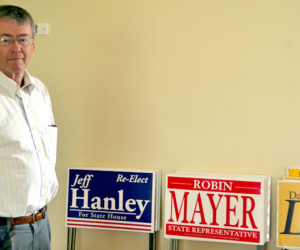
(33, 44)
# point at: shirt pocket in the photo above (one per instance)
(50, 143)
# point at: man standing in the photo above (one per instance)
(27, 139)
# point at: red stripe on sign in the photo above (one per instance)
(113, 223)
(213, 233)
(214, 185)
(110, 227)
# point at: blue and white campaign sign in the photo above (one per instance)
(112, 199)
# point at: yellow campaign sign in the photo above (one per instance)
(294, 172)
(288, 214)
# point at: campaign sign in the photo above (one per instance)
(215, 208)
(111, 199)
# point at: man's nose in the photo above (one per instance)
(15, 45)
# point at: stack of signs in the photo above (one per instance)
(288, 210)
(220, 208)
(114, 199)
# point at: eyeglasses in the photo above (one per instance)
(23, 41)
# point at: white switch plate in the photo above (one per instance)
(42, 29)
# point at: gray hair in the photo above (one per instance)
(17, 14)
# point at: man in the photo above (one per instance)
(27, 139)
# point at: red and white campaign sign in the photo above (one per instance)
(217, 208)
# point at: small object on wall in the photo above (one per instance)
(42, 29)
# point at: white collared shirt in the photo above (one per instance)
(27, 147)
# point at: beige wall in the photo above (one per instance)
(195, 85)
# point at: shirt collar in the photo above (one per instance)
(12, 87)
(28, 81)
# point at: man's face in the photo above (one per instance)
(15, 57)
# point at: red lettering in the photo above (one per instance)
(248, 212)
(178, 211)
(214, 208)
(200, 211)
(230, 210)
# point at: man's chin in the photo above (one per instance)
(17, 70)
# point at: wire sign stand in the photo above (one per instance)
(71, 238)
(71, 242)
